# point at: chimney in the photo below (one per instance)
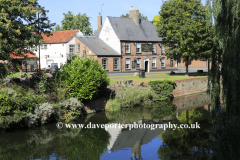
(99, 21)
(134, 14)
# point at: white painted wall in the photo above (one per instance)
(108, 35)
(57, 52)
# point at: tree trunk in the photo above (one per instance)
(186, 63)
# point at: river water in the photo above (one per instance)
(50, 142)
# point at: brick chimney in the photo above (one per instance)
(99, 21)
(134, 14)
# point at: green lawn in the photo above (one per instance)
(177, 76)
(17, 74)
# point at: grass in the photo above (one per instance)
(17, 74)
(177, 76)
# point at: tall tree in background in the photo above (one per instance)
(78, 22)
(182, 26)
(82, 22)
(141, 16)
(57, 28)
(21, 25)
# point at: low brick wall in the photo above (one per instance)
(189, 86)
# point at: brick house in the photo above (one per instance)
(125, 45)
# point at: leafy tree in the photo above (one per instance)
(156, 20)
(57, 28)
(141, 16)
(78, 22)
(183, 29)
(18, 22)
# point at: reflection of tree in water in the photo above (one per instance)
(136, 151)
(157, 110)
(41, 143)
(187, 143)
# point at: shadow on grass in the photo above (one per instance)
(195, 74)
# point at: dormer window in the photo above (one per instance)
(44, 46)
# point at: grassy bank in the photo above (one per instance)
(155, 77)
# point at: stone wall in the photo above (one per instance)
(189, 86)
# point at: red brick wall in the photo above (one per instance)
(192, 63)
(133, 52)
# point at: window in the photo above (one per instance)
(115, 64)
(171, 63)
(105, 64)
(127, 64)
(127, 47)
(163, 62)
(162, 49)
(78, 47)
(138, 63)
(138, 47)
(71, 48)
(154, 63)
(154, 48)
(44, 46)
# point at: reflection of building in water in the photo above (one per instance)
(136, 150)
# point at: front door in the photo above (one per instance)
(146, 66)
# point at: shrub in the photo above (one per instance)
(85, 77)
(3, 70)
(163, 89)
(113, 105)
(131, 96)
(69, 109)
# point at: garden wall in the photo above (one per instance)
(189, 86)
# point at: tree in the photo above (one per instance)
(79, 22)
(21, 25)
(141, 16)
(183, 29)
(57, 28)
(156, 20)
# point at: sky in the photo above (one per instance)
(113, 8)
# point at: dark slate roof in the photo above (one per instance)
(96, 45)
(126, 29)
(96, 32)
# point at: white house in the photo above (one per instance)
(56, 48)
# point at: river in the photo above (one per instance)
(50, 142)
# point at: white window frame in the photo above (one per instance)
(127, 49)
(105, 64)
(154, 48)
(163, 62)
(154, 62)
(78, 47)
(162, 49)
(138, 46)
(128, 63)
(138, 63)
(116, 64)
(71, 49)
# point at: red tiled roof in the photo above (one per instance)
(59, 36)
(13, 55)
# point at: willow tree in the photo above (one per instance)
(182, 26)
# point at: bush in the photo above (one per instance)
(131, 96)
(163, 89)
(3, 71)
(113, 105)
(85, 77)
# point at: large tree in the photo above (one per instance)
(21, 25)
(141, 16)
(78, 22)
(182, 26)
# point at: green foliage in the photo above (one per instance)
(162, 109)
(78, 22)
(3, 71)
(182, 26)
(113, 105)
(16, 35)
(131, 96)
(14, 101)
(57, 28)
(85, 77)
(163, 89)
(141, 16)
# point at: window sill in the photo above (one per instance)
(127, 53)
(154, 67)
(127, 69)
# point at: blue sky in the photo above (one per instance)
(113, 8)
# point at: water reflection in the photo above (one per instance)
(49, 142)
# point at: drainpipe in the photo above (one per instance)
(121, 54)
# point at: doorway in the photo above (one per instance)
(146, 66)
